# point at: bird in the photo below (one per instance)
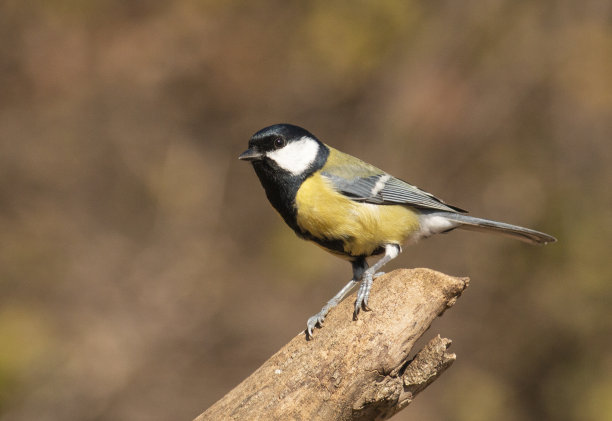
(353, 209)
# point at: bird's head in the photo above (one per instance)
(285, 148)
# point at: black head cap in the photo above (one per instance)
(286, 132)
(273, 137)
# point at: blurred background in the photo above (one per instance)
(143, 273)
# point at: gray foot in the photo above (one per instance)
(361, 303)
(315, 321)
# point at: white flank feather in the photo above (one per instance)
(435, 224)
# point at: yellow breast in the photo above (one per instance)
(362, 227)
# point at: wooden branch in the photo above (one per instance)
(353, 370)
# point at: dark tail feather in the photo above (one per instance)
(479, 224)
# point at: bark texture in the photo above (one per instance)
(353, 370)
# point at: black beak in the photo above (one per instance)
(250, 155)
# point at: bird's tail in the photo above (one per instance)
(478, 224)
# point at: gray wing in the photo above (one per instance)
(385, 189)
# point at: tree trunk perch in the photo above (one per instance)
(353, 370)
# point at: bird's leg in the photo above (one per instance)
(391, 252)
(359, 268)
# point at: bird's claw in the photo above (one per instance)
(314, 322)
(360, 304)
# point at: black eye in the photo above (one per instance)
(279, 142)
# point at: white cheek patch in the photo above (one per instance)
(297, 156)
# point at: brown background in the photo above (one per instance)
(142, 271)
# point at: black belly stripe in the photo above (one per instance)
(334, 245)
(337, 245)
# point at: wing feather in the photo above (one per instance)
(365, 183)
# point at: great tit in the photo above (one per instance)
(351, 208)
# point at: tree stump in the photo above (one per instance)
(353, 370)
